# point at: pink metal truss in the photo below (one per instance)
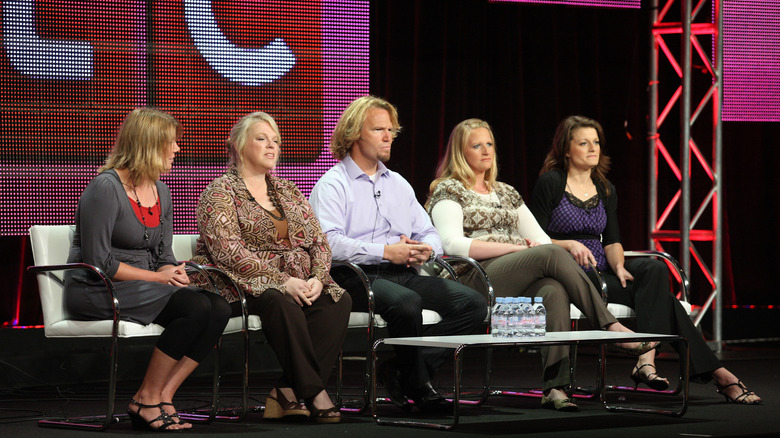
(695, 23)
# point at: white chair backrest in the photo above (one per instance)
(50, 246)
(184, 246)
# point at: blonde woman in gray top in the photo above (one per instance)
(124, 227)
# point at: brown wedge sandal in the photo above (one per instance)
(278, 408)
(324, 415)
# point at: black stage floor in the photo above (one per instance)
(23, 402)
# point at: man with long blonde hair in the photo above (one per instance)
(371, 217)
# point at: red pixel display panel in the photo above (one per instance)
(71, 70)
(630, 4)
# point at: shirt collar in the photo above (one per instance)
(354, 171)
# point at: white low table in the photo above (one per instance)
(460, 343)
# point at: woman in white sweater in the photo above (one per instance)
(487, 220)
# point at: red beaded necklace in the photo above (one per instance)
(143, 219)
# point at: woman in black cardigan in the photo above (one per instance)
(577, 206)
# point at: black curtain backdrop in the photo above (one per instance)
(523, 68)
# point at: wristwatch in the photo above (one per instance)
(432, 257)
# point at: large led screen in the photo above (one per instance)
(633, 4)
(71, 70)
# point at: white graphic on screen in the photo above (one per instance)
(38, 57)
(246, 66)
(43, 58)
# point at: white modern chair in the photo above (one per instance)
(184, 248)
(622, 311)
(50, 247)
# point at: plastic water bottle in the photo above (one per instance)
(513, 318)
(510, 315)
(540, 317)
(526, 318)
(498, 319)
(494, 318)
(519, 311)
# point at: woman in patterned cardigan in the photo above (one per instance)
(487, 220)
(261, 231)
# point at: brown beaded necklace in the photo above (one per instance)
(272, 196)
(274, 200)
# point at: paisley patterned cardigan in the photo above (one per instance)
(237, 236)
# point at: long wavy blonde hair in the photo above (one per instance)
(143, 143)
(454, 164)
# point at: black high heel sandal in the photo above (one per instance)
(653, 380)
(175, 415)
(141, 423)
(740, 399)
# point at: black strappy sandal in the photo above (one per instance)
(653, 380)
(175, 415)
(740, 399)
(140, 422)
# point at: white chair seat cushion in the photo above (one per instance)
(430, 317)
(253, 322)
(234, 324)
(621, 310)
(360, 319)
(71, 329)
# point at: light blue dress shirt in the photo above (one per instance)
(361, 216)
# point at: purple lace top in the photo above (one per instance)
(582, 218)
